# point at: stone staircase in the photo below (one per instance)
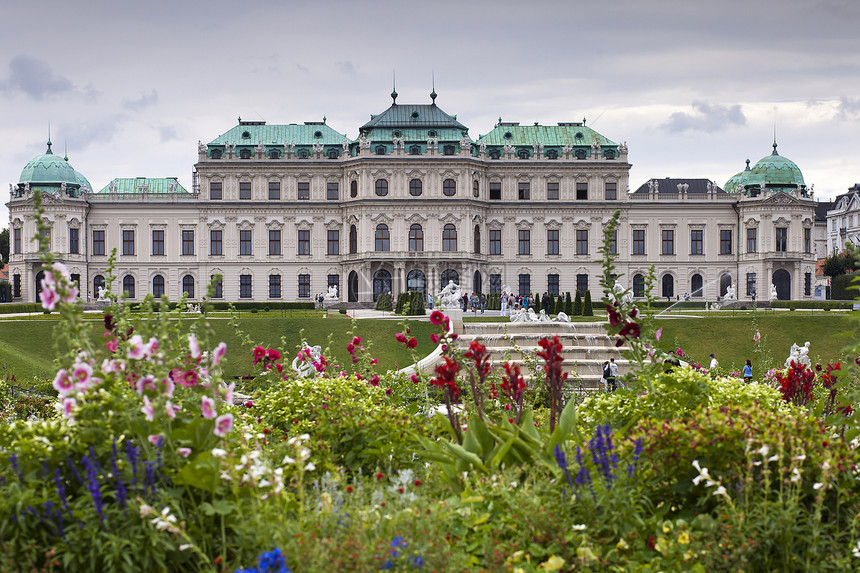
(585, 346)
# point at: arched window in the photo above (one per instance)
(188, 285)
(353, 189)
(158, 286)
(477, 239)
(580, 154)
(638, 285)
(380, 150)
(449, 238)
(416, 238)
(352, 287)
(609, 154)
(552, 154)
(353, 240)
(332, 153)
(303, 154)
(245, 154)
(274, 154)
(477, 283)
(216, 154)
(523, 153)
(98, 282)
(449, 275)
(382, 240)
(475, 188)
(381, 283)
(448, 150)
(415, 187)
(494, 154)
(415, 150)
(382, 187)
(415, 281)
(725, 283)
(449, 187)
(696, 285)
(128, 286)
(668, 286)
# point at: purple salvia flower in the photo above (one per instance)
(584, 476)
(94, 486)
(132, 453)
(562, 463)
(61, 489)
(13, 459)
(637, 451)
(150, 476)
(121, 491)
(75, 471)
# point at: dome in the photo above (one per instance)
(84, 183)
(737, 179)
(48, 168)
(775, 171)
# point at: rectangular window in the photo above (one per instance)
(245, 244)
(525, 247)
(552, 191)
(74, 243)
(495, 191)
(332, 191)
(725, 241)
(274, 286)
(245, 286)
(16, 286)
(610, 191)
(128, 242)
(98, 242)
(552, 284)
(552, 241)
(668, 247)
(782, 239)
(638, 241)
(751, 284)
(219, 286)
(16, 245)
(495, 241)
(697, 245)
(304, 244)
(304, 286)
(752, 240)
(215, 190)
(525, 285)
(274, 241)
(157, 241)
(215, 242)
(334, 281)
(303, 191)
(76, 278)
(245, 190)
(524, 193)
(582, 191)
(188, 242)
(613, 243)
(495, 284)
(807, 240)
(582, 241)
(807, 284)
(47, 234)
(333, 242)
(274, 190)
(581, 284)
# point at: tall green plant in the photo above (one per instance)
(577, 305)
(587, 309)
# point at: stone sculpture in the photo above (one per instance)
(730, 293)
(799, 355)
(449, 297)
(332, 293)
(303, 363)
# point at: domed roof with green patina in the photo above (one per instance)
(48, 169)
(775, 171)
(737, 179)
(84, 183)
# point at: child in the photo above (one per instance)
(748, 372)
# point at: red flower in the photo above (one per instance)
(375, 380)
(273, 354)
(652, 541)
(379, 476)
(356, 340)
(349, 489)
(400, 337)
(436, 317)
(434, 338)
(614, 317)
(411, 343)
(446, 377)
(259, 353)
(417, 483)
(388, 392)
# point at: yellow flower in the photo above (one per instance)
(621, 545)
(667, 526)
(684, 538)
(554, 563)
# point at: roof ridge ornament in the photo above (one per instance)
(433, 93)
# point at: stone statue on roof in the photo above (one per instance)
(364, 142)
(622, 147)
(345, 145)
(567, 148)
(465, 144)
(432, 142)
(399, 142)
(201, 148)
(318, 147)
(509, 148)
(483, 147)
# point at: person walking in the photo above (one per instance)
(714, 363)
(483, 302)
(613, 374)
(604, 376)
(504, 301)
(748, 372)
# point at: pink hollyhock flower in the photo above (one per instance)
(411, 343)
(184, 452)
(49, 296)
(350, 348)
(415, 378)
(400, 337)
(151, 347)
(136, 350)
(193, 346)
(145, 383)
(69, 407)
(169, 386)
(112, 344)
(72, 295)
(63, 384)
(756, 336)
(434, 338)
(207, 407)
(388, 392)
(436, 317)
(259, 353)
(273, 354)
(148, 410)
(354, 359)
(218, 353)
(248, 404)
(374, 381)
(228, 394)
(356, 340)
(454, 336)
(155, 439)
(169, 408)
(223, 425)
(82, 375)
(658, 334)
(189, 379)
(373, 361)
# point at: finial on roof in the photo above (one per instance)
(240, 119)
(49, 139)
(323, 120)
(433, 93)
(583, 121)
(394, 87)
(500, 121)
(774, 148)
(748, 165)
(66, 150)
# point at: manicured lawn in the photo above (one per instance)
(27, 349)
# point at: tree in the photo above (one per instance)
(4, 246)
(834, 265)
(577, 304)
(568, 305)
(587, 309)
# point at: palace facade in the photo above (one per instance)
(282, 212)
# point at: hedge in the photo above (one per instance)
(807, 304)
(20, 307)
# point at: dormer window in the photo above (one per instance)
(609, 154)
(448, 150)
(274, 154)
(317, 134)
(552, 154)
(508, 135)
(302, 154)
(494, 154)
(523, 153)
(215, 154)
(414, 115)
(580, 154)
(332, 153)
(380, 150)
(415, 150)
(245, 154)
(431, 133)
(397, 133)
(246, 135)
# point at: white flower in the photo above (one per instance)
(703, 474)
(773, 458)
(763, 451)
(310, 467)
(185, 547)
(219, 453)
(825, 466)
(720, 491)
(856, 550)
(579, 527)
(795, 476)
(799, 458)
(288, 460)
(817, 485)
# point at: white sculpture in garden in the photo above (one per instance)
(102, 294)
(332, 293)
(730, 293)
(617, 293)
(450, 296)
(773, 295)
(799, 355)
(311, 355)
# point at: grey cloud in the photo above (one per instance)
(168, 133)
(144, 101)
(83, 133)
(302, 68)
(849, 108)
(706, 117)
(34, 78)
(346, 67)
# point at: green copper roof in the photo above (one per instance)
(84, 183)
(738, 179)
(775, 171)
(160, 185)
(418, 135)
(253, 133)
(550, 135)
(48, 168)
(408, 116)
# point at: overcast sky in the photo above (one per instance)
(694, 88)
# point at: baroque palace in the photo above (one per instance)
(283, 212)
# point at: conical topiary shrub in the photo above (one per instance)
(568, 304)
(383, 301)
(577, 305)
(416, 303)
(537, 302)
(587, 310)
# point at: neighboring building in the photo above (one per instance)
(282, 212)
(843, 220)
